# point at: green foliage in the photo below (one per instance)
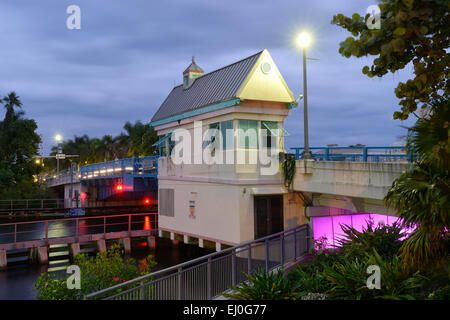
(349, 279)
(414, 31)
(18, 145)
(421, 196)
(288, 169)
(136, 141)
(104, 270)
(386, 240)
(429, 137)
(264, 286)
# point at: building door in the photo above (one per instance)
(268, 215)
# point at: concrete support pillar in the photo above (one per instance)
(101, 245)
(32, 255)
(160, 233)
(186, 239)
(200, 243)
(172, 236)
(126, 245)
(74, 249)
(3, 260)
(42, 255)
(151, 242)
(175, 243)
(218, 246)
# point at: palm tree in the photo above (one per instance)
(421, 196)
(11, 100)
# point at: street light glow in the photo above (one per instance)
(58, 138)
(303, 39)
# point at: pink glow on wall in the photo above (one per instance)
(322, 227)
(329, 227)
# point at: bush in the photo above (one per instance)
(104, 270)
(264, 286)
(349, 279)
(386, 240)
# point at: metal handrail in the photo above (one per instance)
(364, 155)
(77, 226)
(204, 260)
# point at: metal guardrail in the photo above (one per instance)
(147, 165)
(358, 154)
(25, 204)
(28, 234)
(211, 275)
(129, 165)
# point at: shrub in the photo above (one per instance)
(264, 286)
(386, 240)
(104, 270)
(349, 279)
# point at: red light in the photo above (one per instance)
(119, 187)
(147, 201)
(147, 224)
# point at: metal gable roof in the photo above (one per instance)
(213, 87)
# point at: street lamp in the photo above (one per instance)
(304, 40)
(58, 139)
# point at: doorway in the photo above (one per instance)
(268, 215)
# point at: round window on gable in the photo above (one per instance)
(266, 67)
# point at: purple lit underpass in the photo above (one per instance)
(329, 227)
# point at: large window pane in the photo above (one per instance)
(248, 137)
(227, 141)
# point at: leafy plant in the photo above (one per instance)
(386, 240)
(104, 270)
(349, 279)
(411, 31)
(288, 169)
(264, 286)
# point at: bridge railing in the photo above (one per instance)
(40, 233)
(211, 275)
(24, 204)
(358, 154)
(129, 165)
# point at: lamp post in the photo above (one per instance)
(58, 139)
(303, 41)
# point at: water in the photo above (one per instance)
(17, 281)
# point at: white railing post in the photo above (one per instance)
(233, 268)
(209, 279)
(142, 290)
(266, 244)
(180, 284)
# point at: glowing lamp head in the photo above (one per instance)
(58, 138)
(147, 201)
(37, 161)
(119, 187)
(304, 39)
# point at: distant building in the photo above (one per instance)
(225, 204)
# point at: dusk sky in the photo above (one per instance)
(128, 55)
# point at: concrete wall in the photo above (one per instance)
(365, 180)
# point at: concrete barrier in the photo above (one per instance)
(42, 255)
(74, 249)
(3, 260)
(151, 242)
(100, 245)
(126, 245)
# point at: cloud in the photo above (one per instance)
(129, 54)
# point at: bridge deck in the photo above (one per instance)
(25, 235)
